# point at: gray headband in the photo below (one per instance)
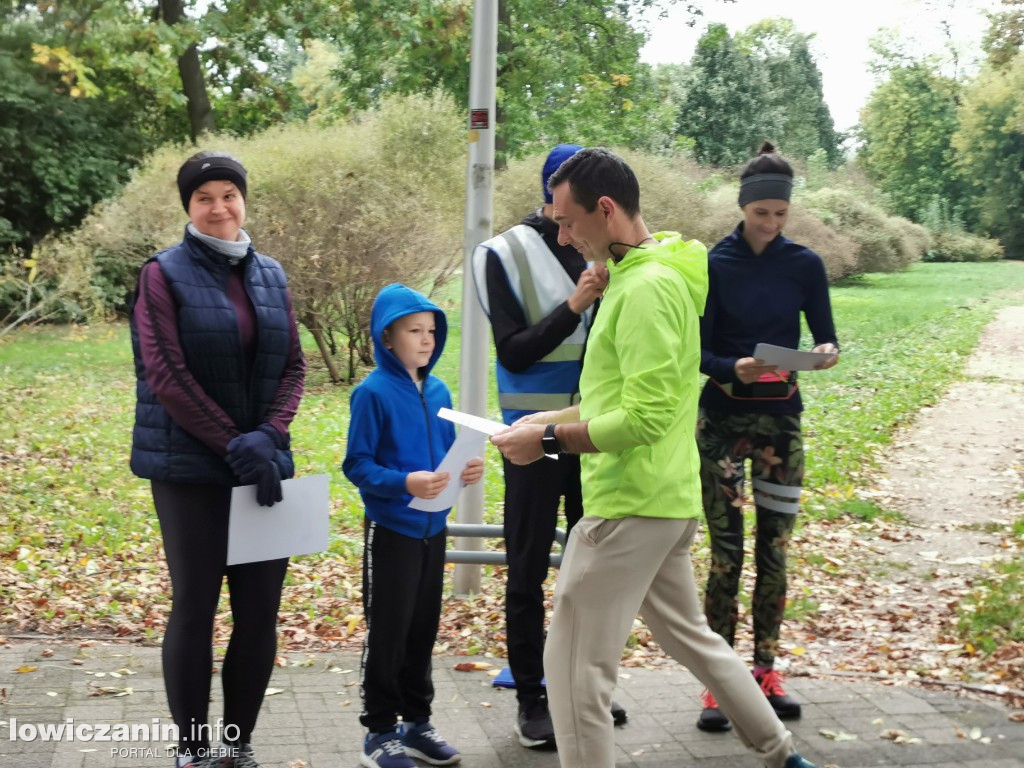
(765, 186)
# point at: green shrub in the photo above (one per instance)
(517, 190)
(352, 207)
(44, 288)
(962, 246)
(346, 208)
(914, 240)
(669, 195)
(880, 247)
(837, 250)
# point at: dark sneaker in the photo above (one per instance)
(196, 762)
(795, 761)
(424, 742)
(237, 757)
(711, 718)
(533, 725)
(385, 750)
(785, 706)
(618, 713)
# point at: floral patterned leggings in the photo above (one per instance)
(773, 443)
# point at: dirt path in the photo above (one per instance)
(956, 471)
(889, 606)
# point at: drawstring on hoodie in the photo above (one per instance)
(616, 258)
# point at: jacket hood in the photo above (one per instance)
(395, 301)
(687, 257)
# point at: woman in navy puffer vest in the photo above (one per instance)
(219, 377)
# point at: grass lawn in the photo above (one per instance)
(79, 541)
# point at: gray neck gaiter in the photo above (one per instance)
(234, 252)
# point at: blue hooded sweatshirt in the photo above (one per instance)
(394, 428)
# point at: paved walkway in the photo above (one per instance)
(310, 720)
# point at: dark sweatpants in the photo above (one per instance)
(532, 496)
(403, 579)
(194, 524)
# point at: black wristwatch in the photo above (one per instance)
(549, 442)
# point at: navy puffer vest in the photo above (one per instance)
(210, 339)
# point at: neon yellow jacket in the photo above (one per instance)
(639, 384)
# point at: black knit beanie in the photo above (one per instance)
(209, 166)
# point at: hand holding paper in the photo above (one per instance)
(468, 446)
(473, 472)
(426, 485)
(790, 359)
(828, 348)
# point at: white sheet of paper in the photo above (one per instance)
(296, 525)
(469, 444)
(478, 423)
(789, 359)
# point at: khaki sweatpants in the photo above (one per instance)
(614, 569)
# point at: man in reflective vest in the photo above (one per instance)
(541, 298)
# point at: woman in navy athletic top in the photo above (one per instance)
(759, 283)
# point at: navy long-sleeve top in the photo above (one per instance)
(758, 298)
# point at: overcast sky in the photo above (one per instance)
(841, 30)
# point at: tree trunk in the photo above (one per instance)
(504, 49)
(193, 85)
(325, 353)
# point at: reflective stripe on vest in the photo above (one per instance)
(540, 284)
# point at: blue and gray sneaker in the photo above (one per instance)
(795, 761)
(424, 742)
(385, 750)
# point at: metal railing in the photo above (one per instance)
(490, 557)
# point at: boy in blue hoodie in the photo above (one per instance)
(395, 439)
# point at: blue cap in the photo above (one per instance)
(556, 157)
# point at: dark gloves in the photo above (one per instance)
(268, 485)
(249, 451)
(252, 458)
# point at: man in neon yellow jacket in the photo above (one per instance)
(641, 488)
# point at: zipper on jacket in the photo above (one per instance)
(248, 380)
(430, 446)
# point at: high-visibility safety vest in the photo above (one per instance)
(540, 284)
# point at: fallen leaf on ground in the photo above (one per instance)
(110, 690)
(896, 736)
(837, 735)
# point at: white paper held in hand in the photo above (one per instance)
(478, 423)
(789, 359)
(296, 525)
(469, 444)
